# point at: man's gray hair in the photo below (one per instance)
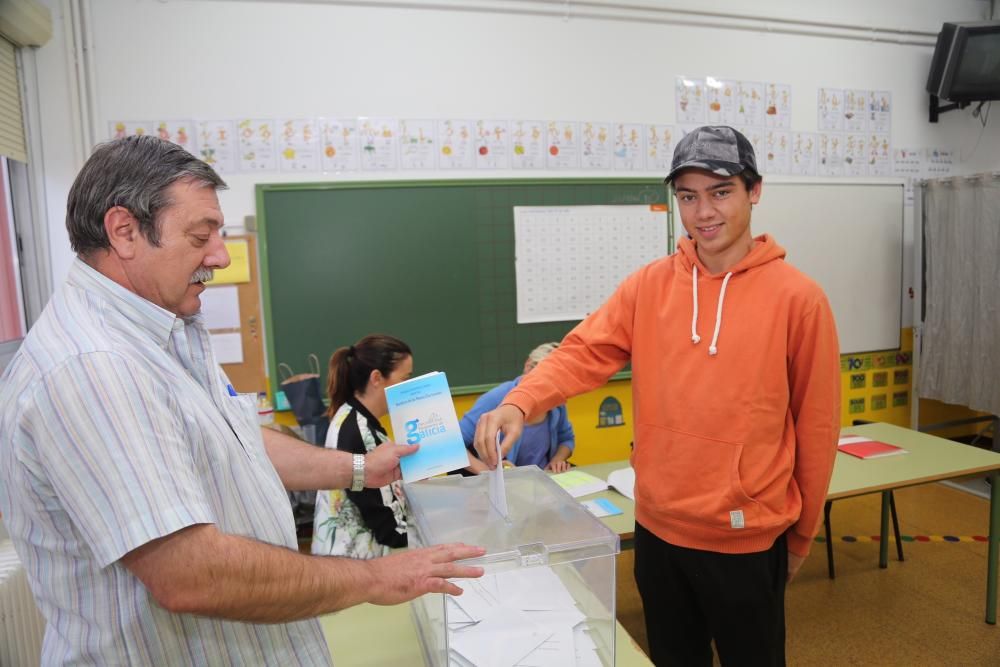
(134, 173)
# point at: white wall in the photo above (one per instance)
(229, 59)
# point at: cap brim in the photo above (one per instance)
(717, 167)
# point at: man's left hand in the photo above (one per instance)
(794, 564)
(382, 463)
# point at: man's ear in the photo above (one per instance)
(122, 229)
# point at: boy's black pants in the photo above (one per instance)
(691, 597)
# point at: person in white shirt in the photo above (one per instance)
(148, 506)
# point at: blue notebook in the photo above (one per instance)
(422, 413)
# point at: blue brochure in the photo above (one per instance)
(422, 413)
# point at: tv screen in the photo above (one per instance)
(966, 62)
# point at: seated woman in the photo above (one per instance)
(368, 523)
(547, 440)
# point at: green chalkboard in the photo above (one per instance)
(431, 262)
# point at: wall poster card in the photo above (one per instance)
(750, 110)
(378, 140)
(298, 145)
(595, 145)
(880, 111)
(830, 156)
(417, 144)
(629, 146)
(803, 159)
(908, 163)
(340, 144)
(180, 132)
(492, 146)
(938, 162)
(830, 110)
(217, 144)
(456, 138)
(778, 106)
(659, 147)
(777, 153)
(855, 155)
(564, 145)
(756, 137)
(528, 144)
(690, 98)
(879, 155)
(256, 145)
(855, 110)
(720, 98)
(119, 129)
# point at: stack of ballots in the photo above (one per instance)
(548, 595)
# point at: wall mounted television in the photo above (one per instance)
(965, 67)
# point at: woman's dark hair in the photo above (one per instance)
(350, 367)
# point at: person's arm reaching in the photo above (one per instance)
(591, 353)
(305, 467)
(199, 570)
(814, 383)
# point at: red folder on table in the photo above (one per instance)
(866, 448)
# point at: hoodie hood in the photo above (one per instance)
(764, 250)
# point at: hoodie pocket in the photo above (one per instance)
(692, 479)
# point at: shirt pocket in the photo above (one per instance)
(692, 478)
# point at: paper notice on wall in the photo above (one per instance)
(220, 307)
(217, 144)
(256, 145)
(228, 348)
(378, 140)
(528, 140)
(596, 145)
(339, 150)
(298, 145)
(456, 143)
(417, 144)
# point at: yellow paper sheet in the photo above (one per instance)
(238, 270)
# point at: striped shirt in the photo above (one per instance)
(117, 428)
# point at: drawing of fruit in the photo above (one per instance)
(446, 150)
(770, 156)
(849, 115)
(519, 150)
(684, 105)
(483, 150)
(715, 106)
(553, 150)
(330, 151)
(289, 153)
(772, 110)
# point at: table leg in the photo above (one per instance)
(994, 551)
(883, 541)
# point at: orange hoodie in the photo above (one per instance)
(736, 387)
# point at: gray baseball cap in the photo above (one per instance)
(719, 149)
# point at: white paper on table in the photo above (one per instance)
(228, 348)
(498, 492)
(220, 307)
(475, 602)
(623, 481)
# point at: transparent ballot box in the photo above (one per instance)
(548, 593)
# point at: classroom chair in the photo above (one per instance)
(829, 532)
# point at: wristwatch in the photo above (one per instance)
(358, 479)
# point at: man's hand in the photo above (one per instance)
(403, 576)
(794, 564)
(557, 466)
(382, 463)
(507, 419)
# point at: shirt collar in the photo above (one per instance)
(148, 317)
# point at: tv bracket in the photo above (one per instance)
(936, 108)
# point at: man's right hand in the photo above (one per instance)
(507, 419)
(401, 577)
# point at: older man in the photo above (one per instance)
(147, 505)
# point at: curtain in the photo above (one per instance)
(960, 355)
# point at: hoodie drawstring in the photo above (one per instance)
(713, 348)
(695, 338)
